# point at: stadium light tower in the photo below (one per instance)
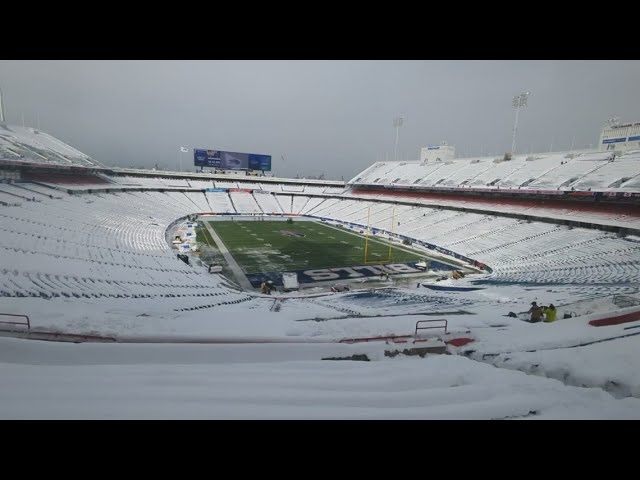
(397, 123)
(519, 101)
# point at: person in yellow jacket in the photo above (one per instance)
(550, 313)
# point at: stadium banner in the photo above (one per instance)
(581, 194)
(224, 190)
(245, 190)
(231, 160)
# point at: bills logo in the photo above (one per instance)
(346, 273)
(343, 273)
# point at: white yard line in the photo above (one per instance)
(233, 265)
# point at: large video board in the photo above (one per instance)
(231, 160)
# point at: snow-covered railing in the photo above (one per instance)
(420, 322)
(13, 315)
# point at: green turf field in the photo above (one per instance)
(263, 247)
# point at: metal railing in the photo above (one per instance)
(28, 324)
(420, 322)
(625, 301)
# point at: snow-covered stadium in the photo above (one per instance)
(107, 307)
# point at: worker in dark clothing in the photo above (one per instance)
(536, 313)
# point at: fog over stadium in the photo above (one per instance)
(314, 117)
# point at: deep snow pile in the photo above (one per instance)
(276, 381)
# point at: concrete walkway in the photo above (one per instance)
(233, 265)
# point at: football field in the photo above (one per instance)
(281, 246)
(266, 248)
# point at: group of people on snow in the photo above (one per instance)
(539, 311)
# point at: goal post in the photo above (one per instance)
(368, 248)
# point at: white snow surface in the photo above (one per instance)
(101, 265)
(557, 170)
(255, 382)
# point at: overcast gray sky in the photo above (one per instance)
(331, 117)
